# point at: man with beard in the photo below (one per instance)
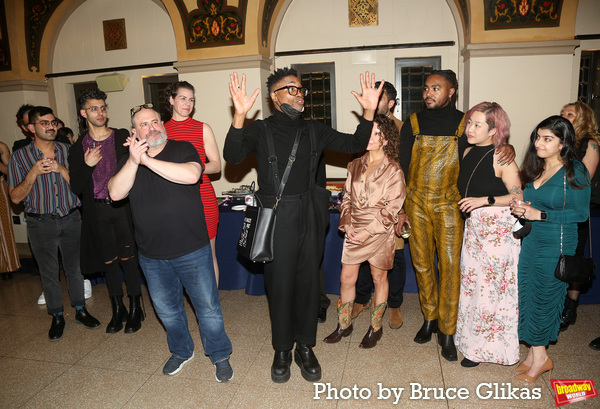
(431, 144)
(38, 177)
(161, 179)
(292, 278)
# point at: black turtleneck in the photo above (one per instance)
(240, 143)
(434, 122)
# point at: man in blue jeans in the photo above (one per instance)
(161, 178)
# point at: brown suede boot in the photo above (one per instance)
(344, 327)
(395, 317)
(375, 329)
(358, 308)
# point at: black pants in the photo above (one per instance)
(292, 278)
(396, 279)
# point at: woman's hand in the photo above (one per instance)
(357, 237)
(524, 210)
(468, 204)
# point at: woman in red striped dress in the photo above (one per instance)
(179, 99)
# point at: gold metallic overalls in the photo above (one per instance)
(431, 205)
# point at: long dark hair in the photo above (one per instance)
(390, 133)
(533, 165)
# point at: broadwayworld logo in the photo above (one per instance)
(572, 390)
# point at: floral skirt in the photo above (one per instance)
(488, 313)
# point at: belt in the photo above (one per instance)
(50, 216)
(108, 200)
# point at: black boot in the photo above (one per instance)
(448, 347)
(119, 315)
(424, 334)
(136, 315)
(569, 315)
(307, 361)
(280, 370)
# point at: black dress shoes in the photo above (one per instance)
(322, 316)
(9, 276)
(307, 361)
(280, 370)
(448, 348)
(424, 334)
(371, 337)
(595, 344)
(84, 317)
(467, 363)
(337, 335)
(57, 327)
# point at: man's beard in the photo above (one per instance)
(157, 142)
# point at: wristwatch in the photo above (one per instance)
(491, 200)
(543, 216)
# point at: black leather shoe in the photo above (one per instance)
(322, 316)
(424, 334)
(448, 348)
(57, 327)
(595, 344)
(84, 317)
(280, 370)
(136, 315)
(119, 315)
(569, 315)
(9, 276)
(467, 363)
(307, 361)
(371, 337)
(337, 335)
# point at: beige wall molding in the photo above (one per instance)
(224, 64)
(521, 48)
(23, 85)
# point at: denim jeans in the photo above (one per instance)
(166, 280)
(47, 235)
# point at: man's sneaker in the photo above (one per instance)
(174, 364)
(87, 289)
(42, 300)
(223, 371)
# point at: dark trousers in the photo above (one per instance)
(47, 235)
(116, 238)
(292, 278)
(396, 279)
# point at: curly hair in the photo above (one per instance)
(533, 166)
(24, 109)
(278, 75)
(90, 94)
(496, 118)
(585, 123)
(172, 90)
(391, 134)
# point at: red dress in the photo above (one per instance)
(192, 131)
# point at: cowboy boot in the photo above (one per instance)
(375, 329)
(344, 326)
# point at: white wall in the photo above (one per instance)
(400, 21)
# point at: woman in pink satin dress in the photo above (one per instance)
(374, 195)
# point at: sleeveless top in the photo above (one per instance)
(483, 181)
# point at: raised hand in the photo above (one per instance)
(370, 95)
(137, 149)
(241, 102)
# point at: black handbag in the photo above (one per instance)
(256, 238)
(574, 269)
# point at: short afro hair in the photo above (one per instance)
(278, 75)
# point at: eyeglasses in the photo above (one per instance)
(293, 90)
(138, 108)
(46, 124)
(95, 109)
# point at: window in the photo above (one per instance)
(319, 104)
(589, 80)
(154, 90)
(411, 74)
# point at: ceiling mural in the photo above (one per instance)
(213, 23)
(507, 14)
(266, 20)
(37, 15)
(5, 64)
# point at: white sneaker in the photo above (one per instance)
(42, 300)
(87, 289)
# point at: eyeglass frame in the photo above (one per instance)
(95, 108)
(47, 123)
(288, 87)
(138, 108)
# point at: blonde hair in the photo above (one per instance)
(585, 123)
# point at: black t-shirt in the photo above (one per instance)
(168, 217)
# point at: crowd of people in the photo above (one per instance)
(111, 202)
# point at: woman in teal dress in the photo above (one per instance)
(556, 192)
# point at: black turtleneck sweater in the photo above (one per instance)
(242, 142)
(434, 122)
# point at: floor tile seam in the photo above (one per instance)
(137, 390)
(254, 360)
(439, 354)
(52, 381)
(93, 348)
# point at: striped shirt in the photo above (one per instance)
(50, 194)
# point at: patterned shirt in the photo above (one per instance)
(50, 193)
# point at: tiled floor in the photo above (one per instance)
(92, 369)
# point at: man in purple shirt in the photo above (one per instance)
(38, 177)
